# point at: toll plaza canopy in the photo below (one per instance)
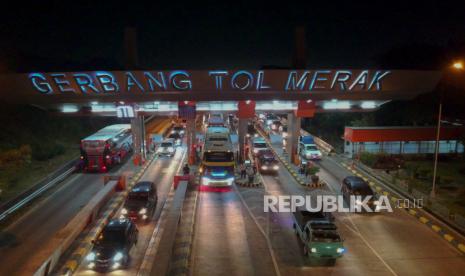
(55, 89)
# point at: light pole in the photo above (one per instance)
(456, 66)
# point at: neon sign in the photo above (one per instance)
(103, 82)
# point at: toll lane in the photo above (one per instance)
(226, 241)
(161, 172)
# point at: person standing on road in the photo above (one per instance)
(243, 172)
(250, 174)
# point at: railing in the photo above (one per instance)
(38, 189)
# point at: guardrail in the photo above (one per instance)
(38, 189)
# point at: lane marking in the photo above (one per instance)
(268, 242)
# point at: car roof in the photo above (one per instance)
(169, 140)
(143, 186)
(356, 181)
(118, 224)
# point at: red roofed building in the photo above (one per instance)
(401, 140)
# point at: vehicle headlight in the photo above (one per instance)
(248, 135)
(143, 211)
(255, 150)
(90, 257)
(159, 149)
(118, 257)
(255, 135)
(313, 249)
(200, 170)
(173, 131)
(171, 149)
(340, 250)
(275, 167)
(124, 211)
(182, 132)
(264, 167)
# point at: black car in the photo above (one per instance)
(112, 247)
(356, 186)
(177, 138)
(141, 202)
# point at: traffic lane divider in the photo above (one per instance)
(419, 214)
(290, 169)
(76, 258)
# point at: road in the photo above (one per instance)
(377, 244)
(39, 223)
(161, 172)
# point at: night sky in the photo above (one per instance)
(76, 34)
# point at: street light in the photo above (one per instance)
(458, 66)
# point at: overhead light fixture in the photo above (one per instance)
(309, 101)
(336, 105)
(368, 105)
(69, 109)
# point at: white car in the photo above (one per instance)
(258, 144)
(167, 148)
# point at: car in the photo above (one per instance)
(356, 186)
(112, 247)
(141, 202)
(275, 125)
(179, 129)
(167, 148)
(270, 118)
(176, 137)
(267, 162)
(258, 144)
(251, 132)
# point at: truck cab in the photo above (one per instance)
(307, 148)
(319, 235)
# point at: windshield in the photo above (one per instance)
(133, 196)
(219, 171)
(219, 156)
(166, 145)
(325, 236)
(311, 148)
(362, 189)
(111, 236)
(174, 135)
(178, 128)
(217, 139)
(259, 145)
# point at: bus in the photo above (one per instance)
(217, 167)
(216, 120)
(106, 148)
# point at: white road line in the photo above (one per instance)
(268, 242)
(356, 230)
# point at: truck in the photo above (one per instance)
(319, 235)
(307, 148)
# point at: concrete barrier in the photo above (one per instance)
(47, 257)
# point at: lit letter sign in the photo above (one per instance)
(84, 81)
(131, 81)
(107, 81)
(61, 82)
(234, 80)
(260, 79)
(272, 81)
(151, 80)
(218, 78)
(291, 81)
(183, 84)
(40, 83)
